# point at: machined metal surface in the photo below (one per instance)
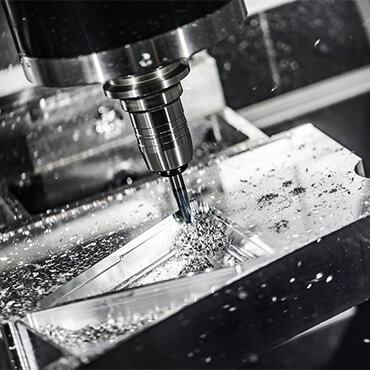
(313, 192)
(162, 203)
(156, 113)
(137, 86)
(163, 137)
(163, 253)
(138, 57)
(145, 305)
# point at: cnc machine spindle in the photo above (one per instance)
(138, 50)
(157, 116)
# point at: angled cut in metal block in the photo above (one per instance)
(168, 250)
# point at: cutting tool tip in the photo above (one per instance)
(181, 196)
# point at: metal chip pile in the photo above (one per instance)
(202, 244)
(23, 286)
(89, 336)
(199, 246)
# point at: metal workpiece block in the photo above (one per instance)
(290, 191)
(297, 189)
(168, 250)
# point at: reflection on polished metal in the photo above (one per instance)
(168, 250)
(153, 102)
(140, 56)
(149, 83)
(129, 305)
(287, 193)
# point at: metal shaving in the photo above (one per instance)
(199, 246)
(106, 332)
(22, 287)
(202, 244)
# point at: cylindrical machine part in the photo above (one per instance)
(163, 137)
(181, 195)
(69, 43)
(153, 102)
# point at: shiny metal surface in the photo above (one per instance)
(291, 190)
(181, 196)
(137, 86)
(257, 6)
(156, 255)
(163, 136)
(157, 115)
(125, 314)
(141, 56)
(152, 206)
(148, 102)
(157, 301)
(312, 191)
